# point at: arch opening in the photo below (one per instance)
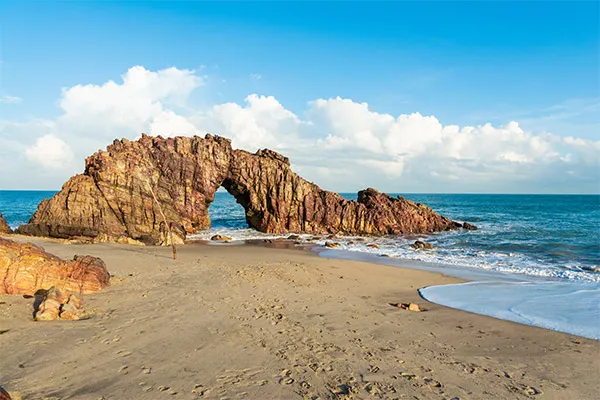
(225, 212)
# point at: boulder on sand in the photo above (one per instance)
(26, 268)
(55, 305)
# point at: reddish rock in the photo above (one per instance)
(158, 190)
(4, 394)
(4, 228)
(26, 268)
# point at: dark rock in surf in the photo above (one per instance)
(421, 245)
(469, 227)
(221, 238)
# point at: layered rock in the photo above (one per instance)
(4, 228)
(158, 190)
(26, 268)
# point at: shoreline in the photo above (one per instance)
(490, 293)
(253, 322)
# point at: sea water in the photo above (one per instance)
(535, 259)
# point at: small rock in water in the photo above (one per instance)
(331, 245)
(373, 245)
(221, 237)
(421, 245)
(293, 237)
(469, 227)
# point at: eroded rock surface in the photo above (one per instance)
(26, 268)
(4, 228)
(143, 190)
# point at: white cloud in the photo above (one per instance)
(262, 122)
(10, 99)
(338, 143)
(140, 103)
(50, 151)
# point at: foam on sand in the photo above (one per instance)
(561, 306)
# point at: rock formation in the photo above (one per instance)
(157, 191)
(26, 268)
(4, 228)
(55, 305)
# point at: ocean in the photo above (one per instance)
(535, 259)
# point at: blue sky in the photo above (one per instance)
(466, 63)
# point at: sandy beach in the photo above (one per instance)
(249, 322)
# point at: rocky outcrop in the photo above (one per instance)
(4, 228)
(26, 268)
(158, 190)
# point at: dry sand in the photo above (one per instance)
(246, 322)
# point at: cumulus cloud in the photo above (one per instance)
(50, 151)
(143, 101)
(261, 122)
(339, 143)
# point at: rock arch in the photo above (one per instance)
(135, 189)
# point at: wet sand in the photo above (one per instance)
(249, 322)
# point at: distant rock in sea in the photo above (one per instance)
(4, 228)
(156, 190)
(469, 227)
(26, 268)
